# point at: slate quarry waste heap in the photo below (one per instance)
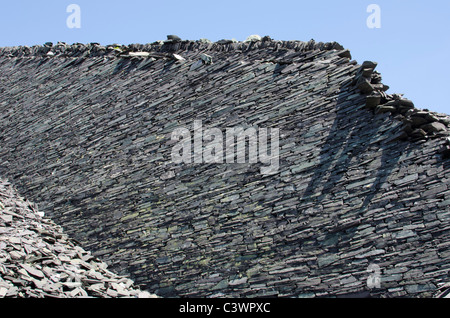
(359, 205)
(37, 260)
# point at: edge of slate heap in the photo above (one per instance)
(38, 260)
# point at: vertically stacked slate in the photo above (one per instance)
(361, 192)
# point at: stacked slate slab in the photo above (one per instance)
(37, 260)
(358, 207)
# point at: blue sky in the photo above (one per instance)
(412, 46)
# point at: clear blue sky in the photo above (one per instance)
(412, 46)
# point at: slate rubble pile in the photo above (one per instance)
(37, 260)
(418, 124)
(86, 133)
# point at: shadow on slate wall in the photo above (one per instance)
(348, 140)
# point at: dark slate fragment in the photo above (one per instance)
(174, 38)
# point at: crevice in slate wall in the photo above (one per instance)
(85, 133)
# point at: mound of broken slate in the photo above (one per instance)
(38, 260)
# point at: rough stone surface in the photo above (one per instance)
(86, 133)
(38, 260)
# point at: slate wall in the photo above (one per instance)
(85, 132)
